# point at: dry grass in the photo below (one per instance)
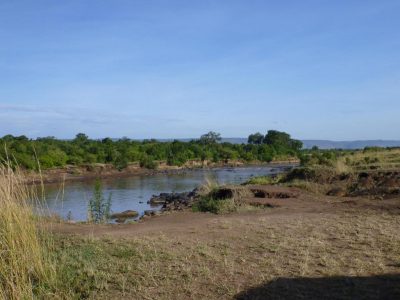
(209, 185)
(265, 179)
(222, 199)
(380, 159)
(341, 167)
(309, 186)
(232, 255)
(217, 260)
(25, 270)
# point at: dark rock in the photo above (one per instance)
(152, 212)
(174, 201)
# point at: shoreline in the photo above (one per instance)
(103, 171)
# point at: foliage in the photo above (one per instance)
(256, 138)
(210, 138)
(273, 143)
(53, 153)
(99, 207)
(280, 139)
(148, 162)
(216, 206)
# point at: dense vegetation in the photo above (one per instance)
(51, 152)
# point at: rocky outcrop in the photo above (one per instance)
(174, 201)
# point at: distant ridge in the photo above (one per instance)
(322, 144)
(326, 144)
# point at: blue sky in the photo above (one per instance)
(316, 69)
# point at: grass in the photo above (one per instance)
(307, 184)
(361, 160)
(265, 180)
(218, 259)
(220, 199)
(229, 256)
(376, 159)
(341, 171)
(216, 206)
(208, 203)
(209, 185)
(25, 267)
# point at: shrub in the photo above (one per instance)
(121, 162)
(99, 207)
(148, 162)
(216, 206)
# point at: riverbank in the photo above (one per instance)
(305, 246)
(93, 171)
(282, 242)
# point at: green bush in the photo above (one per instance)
(216, 206)
(121, 162)
(99, 207)
(148, 163)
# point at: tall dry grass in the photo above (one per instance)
(26, 270)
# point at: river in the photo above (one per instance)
(71, 199)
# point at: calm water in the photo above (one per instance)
(134, 192)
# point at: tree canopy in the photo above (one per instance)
(50, 152)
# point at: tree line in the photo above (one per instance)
(49, 152)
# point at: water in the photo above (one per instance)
(134, 192)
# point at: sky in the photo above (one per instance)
(177, 69)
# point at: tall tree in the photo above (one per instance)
(210, 138)
(256, 138)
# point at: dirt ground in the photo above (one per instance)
(302, 205)
(294, 245)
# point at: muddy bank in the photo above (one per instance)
(93, 171)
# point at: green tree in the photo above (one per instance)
(282, 140)
(81, 138)
(256, 138)
(210, 138)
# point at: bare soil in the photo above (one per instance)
(286, 202)
(298, 246)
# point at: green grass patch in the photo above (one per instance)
(265, 180)
(216, 206)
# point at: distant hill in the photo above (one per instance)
(322, 144)
(326, 144)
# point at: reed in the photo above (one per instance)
(26, 270)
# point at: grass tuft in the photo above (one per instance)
(265, 180)
(25, 268)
